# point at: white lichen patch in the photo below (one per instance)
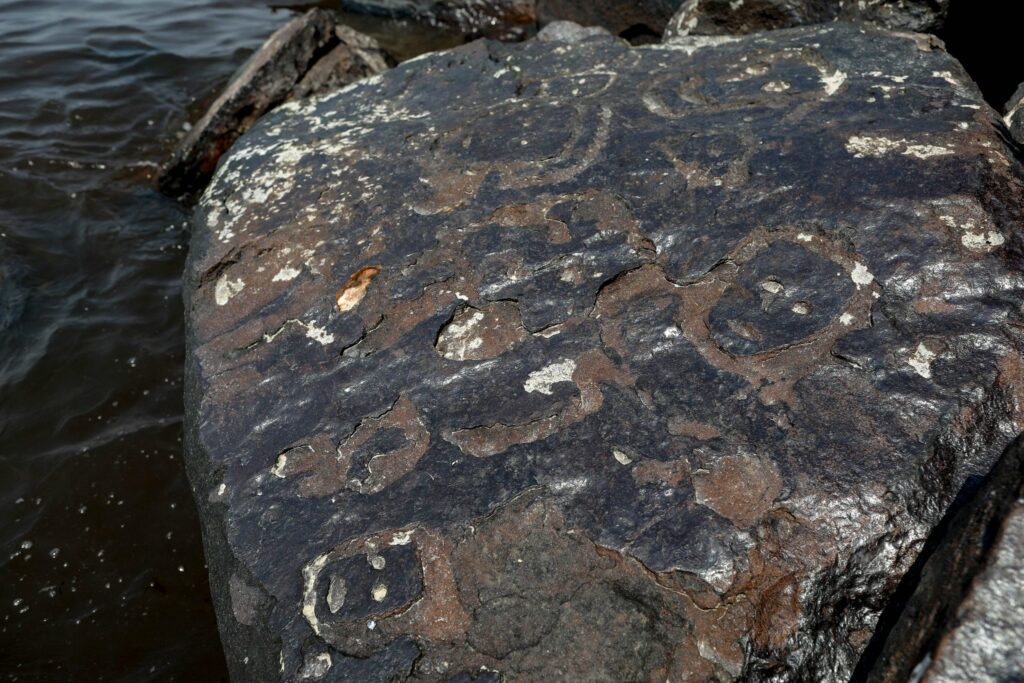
(921, 360)
(832, 82)
(337, 591)
(286, 274)
(541, 381)
(226, 289)
(621, 457)
(775, 86)
(927, 151)
(982, 241)
(280, 467)
(861, 146)
(318, 334)
(877, 146)
(861, 275)
(316, 667)
(846, 319)
(379, 592)
(401, 538)
(460, 337)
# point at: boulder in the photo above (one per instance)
(310, 54)
(727, 17)
(553, 361)
(964, 620)
(627, 18)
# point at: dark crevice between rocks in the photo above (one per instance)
(987, 47)
(925, 603)
(640, 34)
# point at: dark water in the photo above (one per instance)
(101, 568)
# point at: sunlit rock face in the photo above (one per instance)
(722, 17)
(580, 361)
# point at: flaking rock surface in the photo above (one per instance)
(722, 17)
(587, 362)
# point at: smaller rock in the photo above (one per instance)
(310, 54)
(570, 32)
(985, 643)
(356, 56)
(964, 620)
(1014, 117)
(734, 17)
(639, 21)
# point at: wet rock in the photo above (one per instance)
(311, 54)
(570, 32)
(592, 362)
(632, 19)
(1015, 115)
(964, 619)
(498, 19)
(730, 17)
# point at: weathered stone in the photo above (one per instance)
(570, 32)
(626, 18)
(728, 17)
(500, 19)
(964, 620)
(355, 56)
(308, 55)
(1015, 115)
(986, 641)
(522, 320)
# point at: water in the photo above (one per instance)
(101, 567)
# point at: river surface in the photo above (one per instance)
(101, 566)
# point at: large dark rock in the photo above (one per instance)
(964, 619)
(309, 55)
(579, 361)
(723, 17)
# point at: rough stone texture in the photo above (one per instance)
(964, 620)
(570, 32)
(1015, 115)
(308, 55)
(724, 17)
(629, 18)
(986, 643)
(500, 19)
(589, 362)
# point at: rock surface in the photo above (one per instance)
(589, 362)
(725, 17)
(500, 19)
(985, 645)
(570, 32)
(1015, 115)
(627, 18)
(310, 54)
(965, 618)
